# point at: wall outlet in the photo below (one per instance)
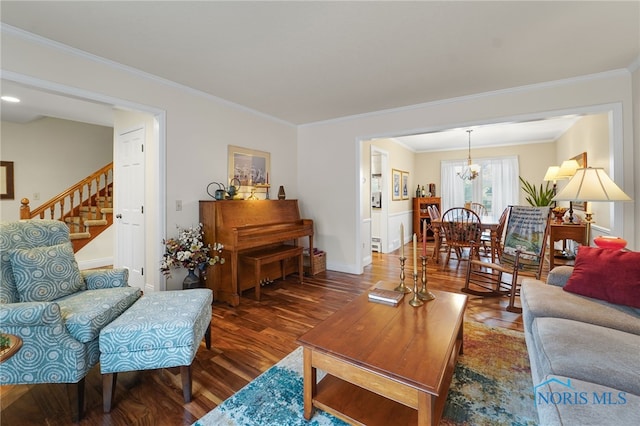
(178, 205)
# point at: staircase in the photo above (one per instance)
(86, 207)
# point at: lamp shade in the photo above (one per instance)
(591, 184)
(552, 173)
(567, 169)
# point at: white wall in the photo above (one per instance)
(99, 252)
(589, 134)
(49, 155)
(338, 209)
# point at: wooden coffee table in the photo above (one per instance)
(384, 364)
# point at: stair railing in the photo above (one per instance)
(69, 201)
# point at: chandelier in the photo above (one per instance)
(470, 171)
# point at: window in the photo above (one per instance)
(497, 186)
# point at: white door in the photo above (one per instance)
(129, 204)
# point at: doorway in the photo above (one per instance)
(129, 182)
(155, 164)
(379, 201)
(610, 154)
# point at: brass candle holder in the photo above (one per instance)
(415, 302)
(424, 293)
(402, 288)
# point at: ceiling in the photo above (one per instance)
(309, 61)
(35, 104)
(491, 135)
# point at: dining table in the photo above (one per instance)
(487, 223)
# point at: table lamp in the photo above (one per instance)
(552, 175)
(591, 184)
(566, 171)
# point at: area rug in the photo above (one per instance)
(491, 386)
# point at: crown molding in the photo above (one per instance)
(478, 96)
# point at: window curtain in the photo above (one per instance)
(452, 192)
(505, 183)
(498, 179)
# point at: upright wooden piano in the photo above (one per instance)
(244, 225)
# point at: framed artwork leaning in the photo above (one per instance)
(250, 167)
(582, 162)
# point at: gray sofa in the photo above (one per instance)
(584, 353)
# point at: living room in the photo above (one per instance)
(194, 129)
(182, 117)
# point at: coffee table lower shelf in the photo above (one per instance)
(358, 406)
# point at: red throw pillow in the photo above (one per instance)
(610, 275)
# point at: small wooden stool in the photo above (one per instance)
(270, 255)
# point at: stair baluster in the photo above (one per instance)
(87, 217)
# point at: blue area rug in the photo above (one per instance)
(491, 386)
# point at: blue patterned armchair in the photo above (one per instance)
(56, 309)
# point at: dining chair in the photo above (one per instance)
(479, 209)
(462, 230)
(496, 244)
(522, 254)
(434, 214)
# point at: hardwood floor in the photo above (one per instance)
(246, 341)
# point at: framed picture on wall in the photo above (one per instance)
(6, 180)
(582, 162)
(248, 166)
(396, 185)
(405, 185)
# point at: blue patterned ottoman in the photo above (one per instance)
(160, 330)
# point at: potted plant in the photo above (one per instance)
(5, 342)
(537, 197)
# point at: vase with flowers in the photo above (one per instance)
(189, 251)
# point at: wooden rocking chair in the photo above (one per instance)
(522, 255)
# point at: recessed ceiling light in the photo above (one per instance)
(10, 99)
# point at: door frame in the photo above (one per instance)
(616, 156)
(157, 164)
(386, 246)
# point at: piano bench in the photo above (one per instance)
(273, 254)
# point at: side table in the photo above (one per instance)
(561, 232)
(15, 343)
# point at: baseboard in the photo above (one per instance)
(342, 267)
(95, 263)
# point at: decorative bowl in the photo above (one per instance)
(559, 212)
(613, 243)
